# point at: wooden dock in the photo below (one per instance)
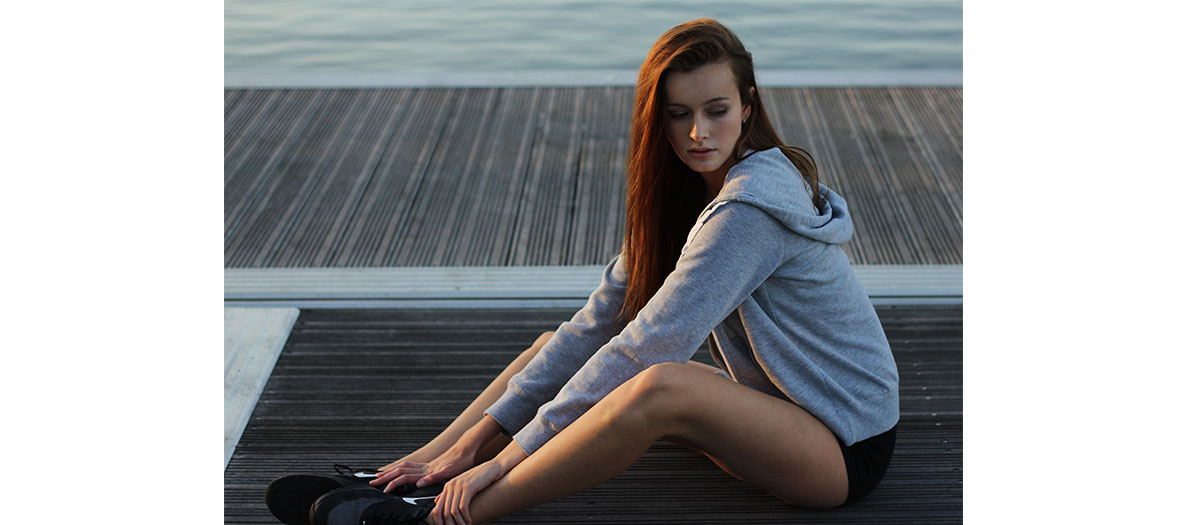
(511, 176)
(362, 387)
(341, 182)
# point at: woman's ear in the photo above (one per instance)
(747, 108)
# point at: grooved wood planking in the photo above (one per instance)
(362, 387)
(527, 176)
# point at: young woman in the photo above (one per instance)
(729, 238)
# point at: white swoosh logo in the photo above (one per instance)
(414, 501)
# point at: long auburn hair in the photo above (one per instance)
(664, 196)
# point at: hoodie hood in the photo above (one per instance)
(767, 179)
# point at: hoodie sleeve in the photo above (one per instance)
(571, 345)
(731, 251)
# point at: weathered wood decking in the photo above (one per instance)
(360, 387)
(514, 176)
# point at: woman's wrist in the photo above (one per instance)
(478, 435)
(510, 457)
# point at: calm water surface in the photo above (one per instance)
(452, 35)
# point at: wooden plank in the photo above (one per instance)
(437, 247)
(361, 387)
(907, 189)
(543, 213)
(863, 190)
(240, 119)
(941, 146)
(296, 177)
(331, 208)
(539, 179)
(488, 226)
(303, 213)
(383, 210)
(230, 101)
(248, 174)
(944, 198)
(425, 236)
(596, 231)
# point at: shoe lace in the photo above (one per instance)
(346, 470)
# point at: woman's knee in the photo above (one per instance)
(648, 398)
(525, 357)
(537, 344)
(542, 340)
(655, 383)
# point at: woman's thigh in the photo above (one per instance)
(703, 366)
(765, 441)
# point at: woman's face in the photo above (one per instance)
(705, 117)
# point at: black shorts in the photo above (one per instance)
(866, 462)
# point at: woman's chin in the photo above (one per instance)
(701, 166)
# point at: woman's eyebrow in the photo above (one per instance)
(710, 101)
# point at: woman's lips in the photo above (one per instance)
(700, 153)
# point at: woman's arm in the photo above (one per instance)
(570, 347)
(734, 248)
(453, 504)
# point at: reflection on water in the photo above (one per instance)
(454, 35)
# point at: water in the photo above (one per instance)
(450, 35)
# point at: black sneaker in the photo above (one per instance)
(360, 506)
(290, 497)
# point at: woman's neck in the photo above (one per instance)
(711, 192)
(715, 179)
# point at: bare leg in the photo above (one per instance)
(474, 412)
(760, 439)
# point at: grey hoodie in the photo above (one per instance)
(762, 276)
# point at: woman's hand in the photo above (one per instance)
(453, 505)
(449, 464)
(426, 467)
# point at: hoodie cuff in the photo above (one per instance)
(533, 436)
(512, 420)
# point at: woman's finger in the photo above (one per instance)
(446, 512)
(382, 478)
(399, 481)
(440, 503)
(400, 469)
(453, 516)
(449, 513)
(430, 478)
(394, 474)
(465, 505)
(457, 505)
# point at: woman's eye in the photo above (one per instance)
(715, 113)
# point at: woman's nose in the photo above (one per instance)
(698, 133)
